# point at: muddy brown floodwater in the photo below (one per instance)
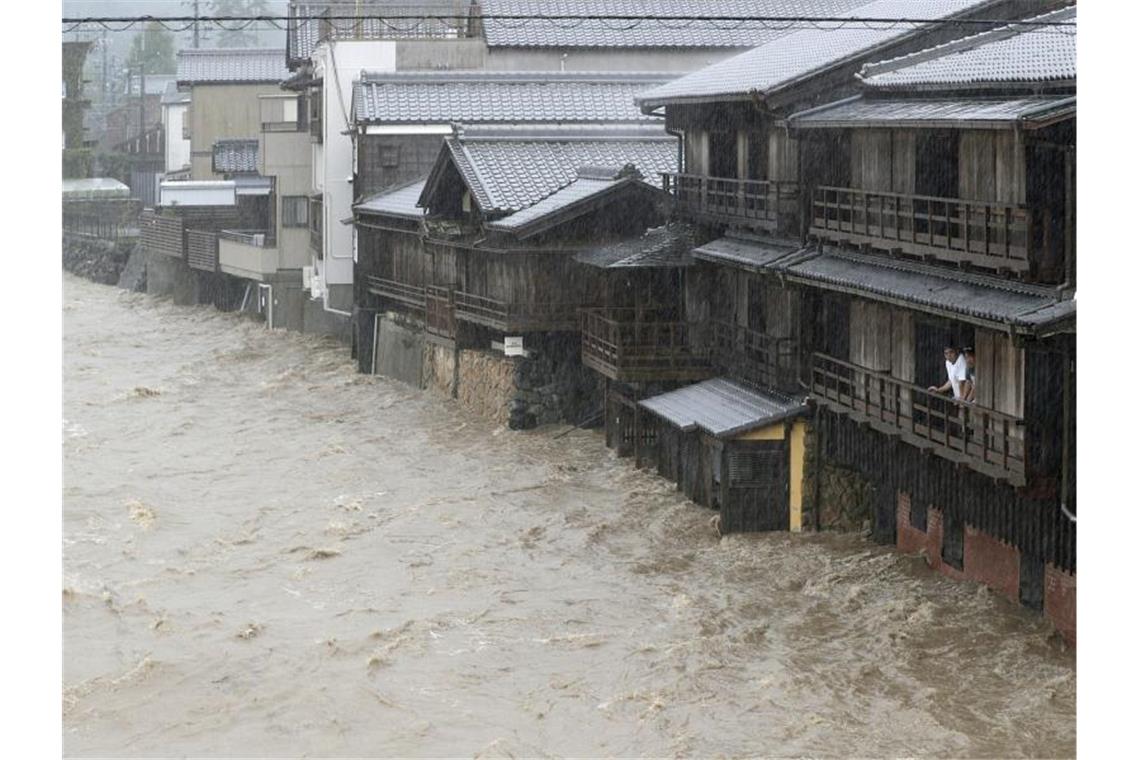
(266, 553)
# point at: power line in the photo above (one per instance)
(683, 21)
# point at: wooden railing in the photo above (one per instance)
(990, 235)
(515, 316)
(410, 295)
(202, 250)
(755, 357)
(163, 234)
(753, 203)
(439, 311)
(985, 439)
(643, 344)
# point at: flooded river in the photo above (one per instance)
(266, 553)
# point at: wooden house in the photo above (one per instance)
(933, 207)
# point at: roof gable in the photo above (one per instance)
(507, 170)
(806, 52)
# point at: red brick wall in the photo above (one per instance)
(1061, 601)
(989, 561)
(984, 559)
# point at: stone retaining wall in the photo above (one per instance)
(102, 261)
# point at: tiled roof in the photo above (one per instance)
(938, 290)
(944, 112)
(400, 201)
(595, 32)
(510, 170)
(231, 65)
(722, 407)
(805, 51)
(591, 185)
(234, 156)
(666, 246)
(1013, 54)
(507, 97)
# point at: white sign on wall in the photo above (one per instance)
(513, 346)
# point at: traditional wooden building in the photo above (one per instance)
(485, 266)
(872, 220)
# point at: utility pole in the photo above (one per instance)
(105, 87)
(197, 39)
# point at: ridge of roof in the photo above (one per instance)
(972, 42)
(512, 77)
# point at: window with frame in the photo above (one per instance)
(294, 211)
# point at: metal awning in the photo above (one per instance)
(245, 185)
(722, 407)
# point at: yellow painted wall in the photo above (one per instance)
(770, 433)
(796, 476)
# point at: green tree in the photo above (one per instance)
(154, 48)
(235, 33)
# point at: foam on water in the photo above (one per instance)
(273, 555)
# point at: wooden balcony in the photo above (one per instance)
(516, 316)
(400, 292)
(163, 234)
(755, 204)
(983, 439)
(997, 236)
(202, 250)
(754, 357)
(643, 345)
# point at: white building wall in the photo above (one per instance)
(338, 64)
(177, 148)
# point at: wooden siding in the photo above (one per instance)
(162, 234)
(202, 250)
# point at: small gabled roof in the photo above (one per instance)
(949, 112)
(592, 186)
(173, 96)
(723, 408)
(231, 66)
(471, 97)
(235, 156)
(509, 169)
(1011, 55)
(398, 201)
(806, 52)
(594, 30)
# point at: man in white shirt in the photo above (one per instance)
(955, 373)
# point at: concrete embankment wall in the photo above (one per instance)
(95, 259)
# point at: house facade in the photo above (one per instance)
(900, 195)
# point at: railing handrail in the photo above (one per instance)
(914, 196)
(917, 389)
(248, 237)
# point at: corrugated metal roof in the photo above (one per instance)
(400, 201)
(1010, 55)
(722, 407)
(508, 97)
(669, 245)
(518, 169)
(804, 52)
(943, 112)
(594, 31)
(231, 65)
(232, 156)
(96, 187)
